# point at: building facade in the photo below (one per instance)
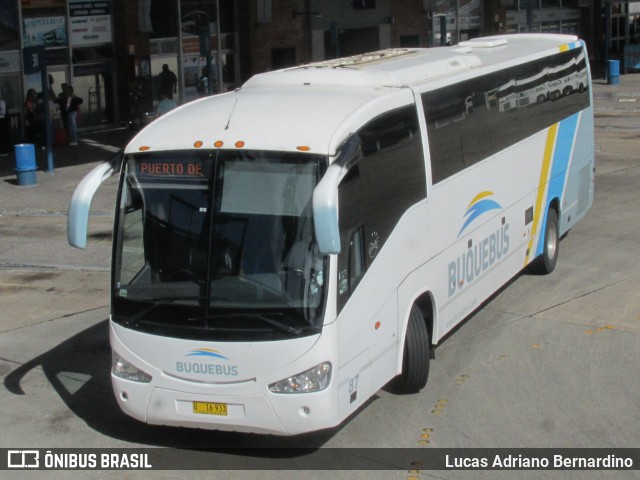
(113, 51)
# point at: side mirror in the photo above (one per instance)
(325, 212)
(78, 217)
(325, 198)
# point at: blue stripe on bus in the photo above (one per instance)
(560, 166)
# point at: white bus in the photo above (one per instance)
(284, 251)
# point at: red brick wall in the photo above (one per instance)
(284, 31)
(409, 19)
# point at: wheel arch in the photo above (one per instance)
(415, 346)
(426, 304)
(546, 254)
(553, 204)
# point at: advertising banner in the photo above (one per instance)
(90, 22)
(47, 31)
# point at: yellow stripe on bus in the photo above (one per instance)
(542, 184)
(484, 194)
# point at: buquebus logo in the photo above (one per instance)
(480, 204)
(482, 254)
(205, 366)
(206, 352)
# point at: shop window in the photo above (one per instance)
(409, 41)
(283, 57)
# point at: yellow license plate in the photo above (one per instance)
(208, 408)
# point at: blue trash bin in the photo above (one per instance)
(613, 72)
(25, 164)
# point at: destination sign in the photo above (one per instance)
(171, 169)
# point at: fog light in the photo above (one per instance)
(312, 380)
(123, 369)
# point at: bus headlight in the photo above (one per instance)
(123, 369)
(313, 380)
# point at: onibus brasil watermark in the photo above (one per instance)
(55, 460)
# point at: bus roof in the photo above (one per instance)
(410, 66)
(317, 105)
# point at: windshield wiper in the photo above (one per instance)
(280, 325)
(275, 323)
(156, 302)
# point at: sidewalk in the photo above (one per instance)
(616, 105)
(52, 192)
(33, 220)
(617, 123)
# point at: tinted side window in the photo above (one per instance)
(472, 120)
(388, 179)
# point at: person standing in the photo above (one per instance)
(164, 105)
(40, 122)
(168, 82)
(72, 108)
(203, 84)
(30, 105)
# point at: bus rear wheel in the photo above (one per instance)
(546, 262)
(415, 362)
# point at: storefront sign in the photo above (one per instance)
(33, 4)
(84, 8)
(90, 22)
(47, 31)
(9, 62)
(34, 59)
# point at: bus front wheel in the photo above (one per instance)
(546, 262)
(415, 361)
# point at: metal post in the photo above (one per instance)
(47, 124)
(218, 32)
(180, 59)
(607, 30)
(335, 38)
(307, 27)
(457, 39)
(529, 15)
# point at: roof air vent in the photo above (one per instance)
(484, 43)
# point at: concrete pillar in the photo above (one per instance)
(317, 45)
(384, 30)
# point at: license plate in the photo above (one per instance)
(208, 408)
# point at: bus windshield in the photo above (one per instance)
(219, 245)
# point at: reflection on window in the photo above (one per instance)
(356, 259)
(388, 178)
(132, 246)
(470, 121)
(217, 242)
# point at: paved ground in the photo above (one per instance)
(550, 362)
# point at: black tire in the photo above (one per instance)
(415, 362)
(546, 262)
